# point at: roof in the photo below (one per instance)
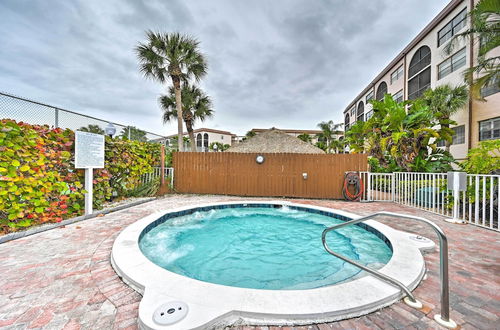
(275, 141)
(204, 130)
(445, 12)
(299, 131)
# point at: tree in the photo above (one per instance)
(250, 134)
(96, 129)
(305, 137)
(174, 142)
(220, 146)
(444, 101)
(328, 131)
(133, 133)
(196, 106)
(486, 29)
(173, 56)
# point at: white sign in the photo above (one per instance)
(89, 150)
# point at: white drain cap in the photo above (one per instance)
(170, 313)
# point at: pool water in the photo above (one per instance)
(261, 248)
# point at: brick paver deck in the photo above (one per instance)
(62, 278)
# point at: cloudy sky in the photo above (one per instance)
(282, 63)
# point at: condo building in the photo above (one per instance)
(425, 64)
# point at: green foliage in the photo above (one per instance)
(96, 129)
(400, 137)
(305, 137)
(220, 146)
(38, 182)
(327, 140)
(133, 133)
(484, 159)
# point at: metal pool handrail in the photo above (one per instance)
(444, 318)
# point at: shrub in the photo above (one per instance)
(484, 159)
(38, 181)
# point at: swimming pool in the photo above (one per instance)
(191, 258)
(261, 247)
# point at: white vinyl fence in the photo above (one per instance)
(478, 205)
(169, 175)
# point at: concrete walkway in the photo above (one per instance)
(62, 278)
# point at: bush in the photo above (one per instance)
(38, 181)
(484, 159)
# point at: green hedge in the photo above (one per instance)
(38, 182)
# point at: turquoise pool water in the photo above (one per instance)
(261, 248)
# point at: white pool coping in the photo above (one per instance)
(214, 305)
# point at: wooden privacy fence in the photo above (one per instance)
(280, 175)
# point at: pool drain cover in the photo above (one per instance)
(170, 313)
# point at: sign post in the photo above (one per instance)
(89, 154)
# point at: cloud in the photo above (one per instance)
(285, 63)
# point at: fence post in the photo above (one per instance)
(56, 117)
(369, 188)
(393, 186)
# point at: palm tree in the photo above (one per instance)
(196, 105)
(173, 56)
(305, 137)
(486, 28)
(96, 129)
(134, 134)
(444, 101)
(328, 130)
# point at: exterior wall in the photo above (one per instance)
(480, 110)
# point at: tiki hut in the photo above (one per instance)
(275, 141)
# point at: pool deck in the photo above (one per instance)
(62, 278)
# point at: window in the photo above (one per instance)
(205, 141)
(369, 96)
(459, 135)
(360, 112)
(450, 29)
(489, 129)
(419, 73)
(398, 97)
(347, 121)
(353, 111)
(493, 87)
(381, 91)
(369, 114)
(198, 140)
(418, 85)
(397, 74)
(420, 60)
(452, 64)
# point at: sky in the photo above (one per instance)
(281, 63)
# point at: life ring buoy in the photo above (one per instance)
(353, 179)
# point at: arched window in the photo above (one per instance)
(360, 111)
(347, 121)
(199, 142)
(205, 141)
(419, 73)
(381, 91)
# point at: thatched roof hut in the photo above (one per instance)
(275, 141)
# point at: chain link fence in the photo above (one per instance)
(36, 113)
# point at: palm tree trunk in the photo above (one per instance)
(446, 143)
(189, 128)
(178, 105)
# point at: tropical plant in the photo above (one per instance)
(175, 145)
(96, 129)
(250, 134)
(444, 101)
(328, 132)
(134, 134)
(483, 159)
(485, 29)
(305, 137)
(220, 146)
(196, 106)
(399, 139)
(173, 56)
